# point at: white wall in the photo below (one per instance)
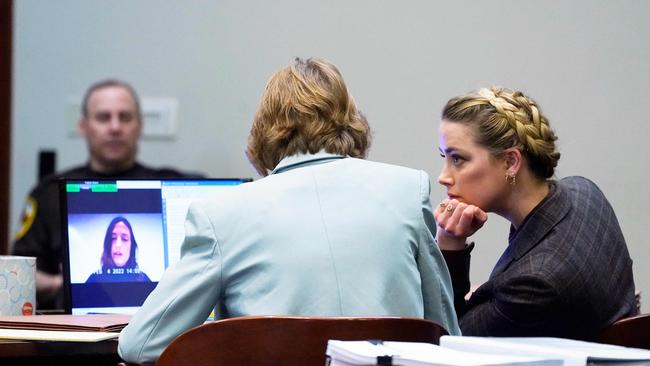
(587, 63)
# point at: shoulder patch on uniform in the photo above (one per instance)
(27, 218)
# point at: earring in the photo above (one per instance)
(511, 179)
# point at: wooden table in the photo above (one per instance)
(55, 353)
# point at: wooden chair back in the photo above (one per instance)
(286, 341)
(633, 331)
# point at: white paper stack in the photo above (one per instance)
(484, 351)
(572, 352)
(357, 353)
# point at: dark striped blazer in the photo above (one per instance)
(565, 273)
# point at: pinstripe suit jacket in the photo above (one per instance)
(566, 272)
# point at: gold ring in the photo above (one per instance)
(442, 204)
(450, 207)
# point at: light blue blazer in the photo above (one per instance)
(322, 235)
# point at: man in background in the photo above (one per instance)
(111, 123)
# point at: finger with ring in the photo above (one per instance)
(450, 208)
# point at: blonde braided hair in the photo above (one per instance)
(505, 118)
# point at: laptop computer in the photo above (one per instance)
(120, 235)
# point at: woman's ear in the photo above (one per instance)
(513, 160)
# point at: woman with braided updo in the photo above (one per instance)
(566, 271)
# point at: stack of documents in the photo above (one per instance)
(74, 328)
(481, 351)
(572, 352)
(355, 353)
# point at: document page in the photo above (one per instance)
(347, 353)
(574, 353)
(55, 335)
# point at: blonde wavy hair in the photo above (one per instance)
(505, 118)
(306, 108)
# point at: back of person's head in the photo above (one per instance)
(503, 118)
(306, 108)
(110, 83)
(107, 255)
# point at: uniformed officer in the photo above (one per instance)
(111, 123)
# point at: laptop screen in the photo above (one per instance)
(121, 235)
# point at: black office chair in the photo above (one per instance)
(46, 163)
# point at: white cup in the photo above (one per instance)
(17, 285)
